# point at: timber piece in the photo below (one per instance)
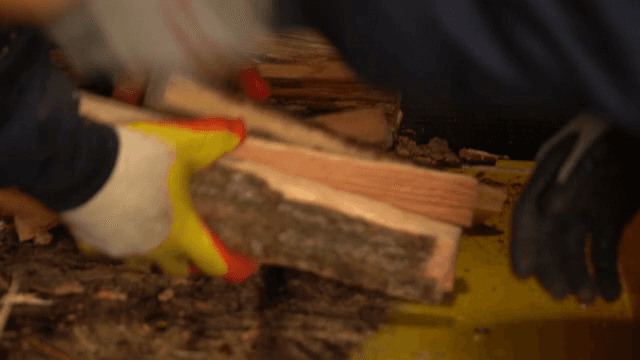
(290, 229)
(435, 194)
(390, 178)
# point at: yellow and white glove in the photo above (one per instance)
(144, 211)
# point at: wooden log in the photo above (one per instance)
(337, 235)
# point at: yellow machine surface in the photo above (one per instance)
(494, 315)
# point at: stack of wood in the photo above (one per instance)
(309, 79)
(309, 191)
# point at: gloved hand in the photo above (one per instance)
(144, 211)
(583, 184)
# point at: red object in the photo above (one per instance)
(128, 90)
(253, 84)
(240, 267)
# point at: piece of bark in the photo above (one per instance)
(434, 153)
(248, 215)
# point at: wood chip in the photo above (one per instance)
(69, 288)
(180, 281)
(111, 295)
(202, 306)
(166, 295)
(6, 309)
(24, 299)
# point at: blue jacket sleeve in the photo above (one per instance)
(564, 56)
(46, 149)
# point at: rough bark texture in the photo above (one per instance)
(248, 216)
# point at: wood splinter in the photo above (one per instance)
(12, 297)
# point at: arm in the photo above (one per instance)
(49, 152)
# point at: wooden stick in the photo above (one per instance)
(6, 308)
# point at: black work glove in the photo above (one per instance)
(584, 183)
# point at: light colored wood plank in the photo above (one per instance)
(438, 195)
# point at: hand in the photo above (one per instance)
(583, 184)
(144, 211)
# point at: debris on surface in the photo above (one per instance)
(147, 315)
(478, 156)
(434, 153)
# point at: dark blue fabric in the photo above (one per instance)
(46, 149)
(562, 55)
